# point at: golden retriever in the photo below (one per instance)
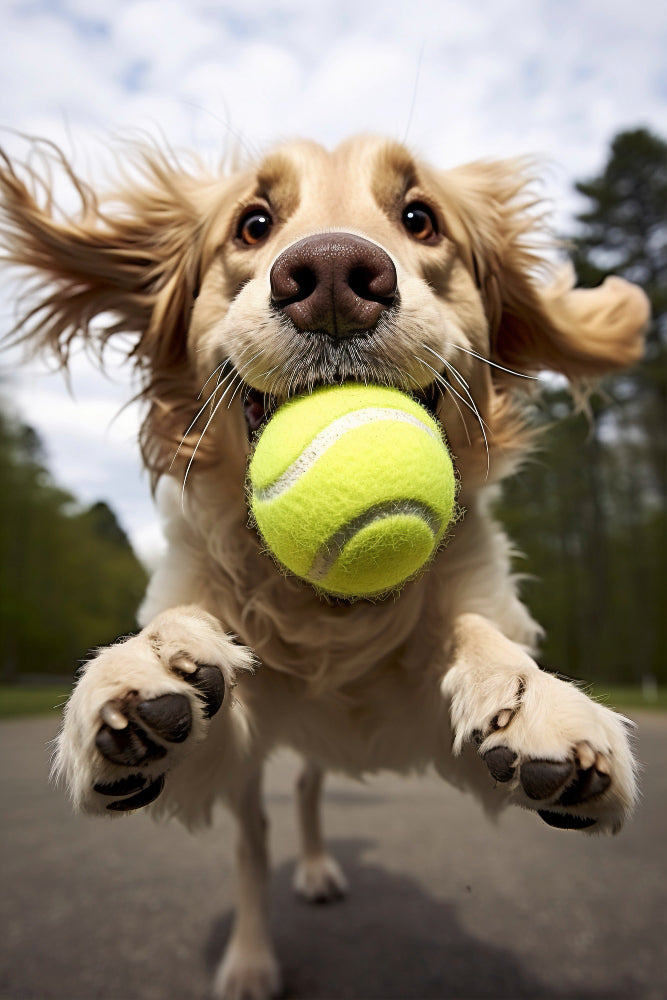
(314, 267)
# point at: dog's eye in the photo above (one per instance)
(420, 222)
(254, 227)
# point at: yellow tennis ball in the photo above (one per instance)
(352, 488)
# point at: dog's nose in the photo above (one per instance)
(335, 283)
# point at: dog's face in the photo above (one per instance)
(364, 264)
(336, 266)
(320, 267)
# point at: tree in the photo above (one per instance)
(624, 231)
(69, 579)
(589, 512)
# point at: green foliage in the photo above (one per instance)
(628, 699)
(19, 700)
(69, 579)
(589, 511)
(624, 230)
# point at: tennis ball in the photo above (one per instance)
(352, 488)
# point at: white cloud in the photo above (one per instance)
(462, 80)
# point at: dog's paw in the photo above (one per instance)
(140, 706)
(320, 880)
(247, 974)
(551, 747)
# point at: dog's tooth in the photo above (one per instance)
(113, 718)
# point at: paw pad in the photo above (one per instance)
(500, 762)
(132, 783)
(563, 822)
(143, 798)
(586, 786)
(134, 732)
(145, 792)
(128, 747)
(210, 684)
(580, 779)
(541, 779)
(169, 716)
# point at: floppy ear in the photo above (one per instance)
(131, 261)
(538, 320)
(581, 332)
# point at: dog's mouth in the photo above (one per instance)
(258, 406)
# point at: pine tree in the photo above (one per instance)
(624, 231)
(590, 512)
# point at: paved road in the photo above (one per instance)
(444, 905)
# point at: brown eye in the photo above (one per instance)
(254, 227)
(420, 222)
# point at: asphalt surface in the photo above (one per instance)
(443, 904)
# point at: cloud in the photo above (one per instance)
(459, 80)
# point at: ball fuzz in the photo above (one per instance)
(352, 488)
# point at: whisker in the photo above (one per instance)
(473, 408)
(480, 357)
(234, 375)
(458, 375)
(242, 371)
(472, 405)
(201, 438)
(199, 413)
(221, 367)
(406, 374)
(270, 371)
(439, 382)
(231, 398)
(460, 379)
(443, 384)
(267, 392)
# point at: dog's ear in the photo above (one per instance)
(538, 319)
(128, 264)
(580, 332)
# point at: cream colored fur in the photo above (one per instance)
(411, 681)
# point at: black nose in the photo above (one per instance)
(334, 283)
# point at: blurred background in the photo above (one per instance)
(445, 904)
(582, 86)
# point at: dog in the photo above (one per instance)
(316, 267)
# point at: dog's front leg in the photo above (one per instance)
(552, 748)
(249, 970)
(142, 705)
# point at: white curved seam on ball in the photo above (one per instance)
(329, 552)
(327, 437)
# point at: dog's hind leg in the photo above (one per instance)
(249, 969)
(318, 877)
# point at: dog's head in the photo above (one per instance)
(320, 267)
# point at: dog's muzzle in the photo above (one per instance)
(336, 290)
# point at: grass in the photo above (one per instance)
(17, 700)
(623, 698)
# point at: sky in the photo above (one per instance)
(456, 80)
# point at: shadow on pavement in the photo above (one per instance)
(390, 939)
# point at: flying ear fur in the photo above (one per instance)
(538, 320)
(580, 332)
(132, 260)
